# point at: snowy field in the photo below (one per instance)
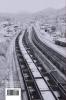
(7, 34)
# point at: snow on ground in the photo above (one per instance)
(47, 36)
(62, 39)
(49, 43)
(5, 41)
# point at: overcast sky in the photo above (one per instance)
(15, 6)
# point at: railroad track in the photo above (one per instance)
(35, 85)
(29, 81)
(34, 73)
(58, 60)
(55, 82)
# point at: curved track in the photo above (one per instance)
(33, 72)
(58, 60)
(54, 81)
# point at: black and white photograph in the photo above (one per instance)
(32, 49)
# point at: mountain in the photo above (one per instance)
(50, 13)
(47, 14)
